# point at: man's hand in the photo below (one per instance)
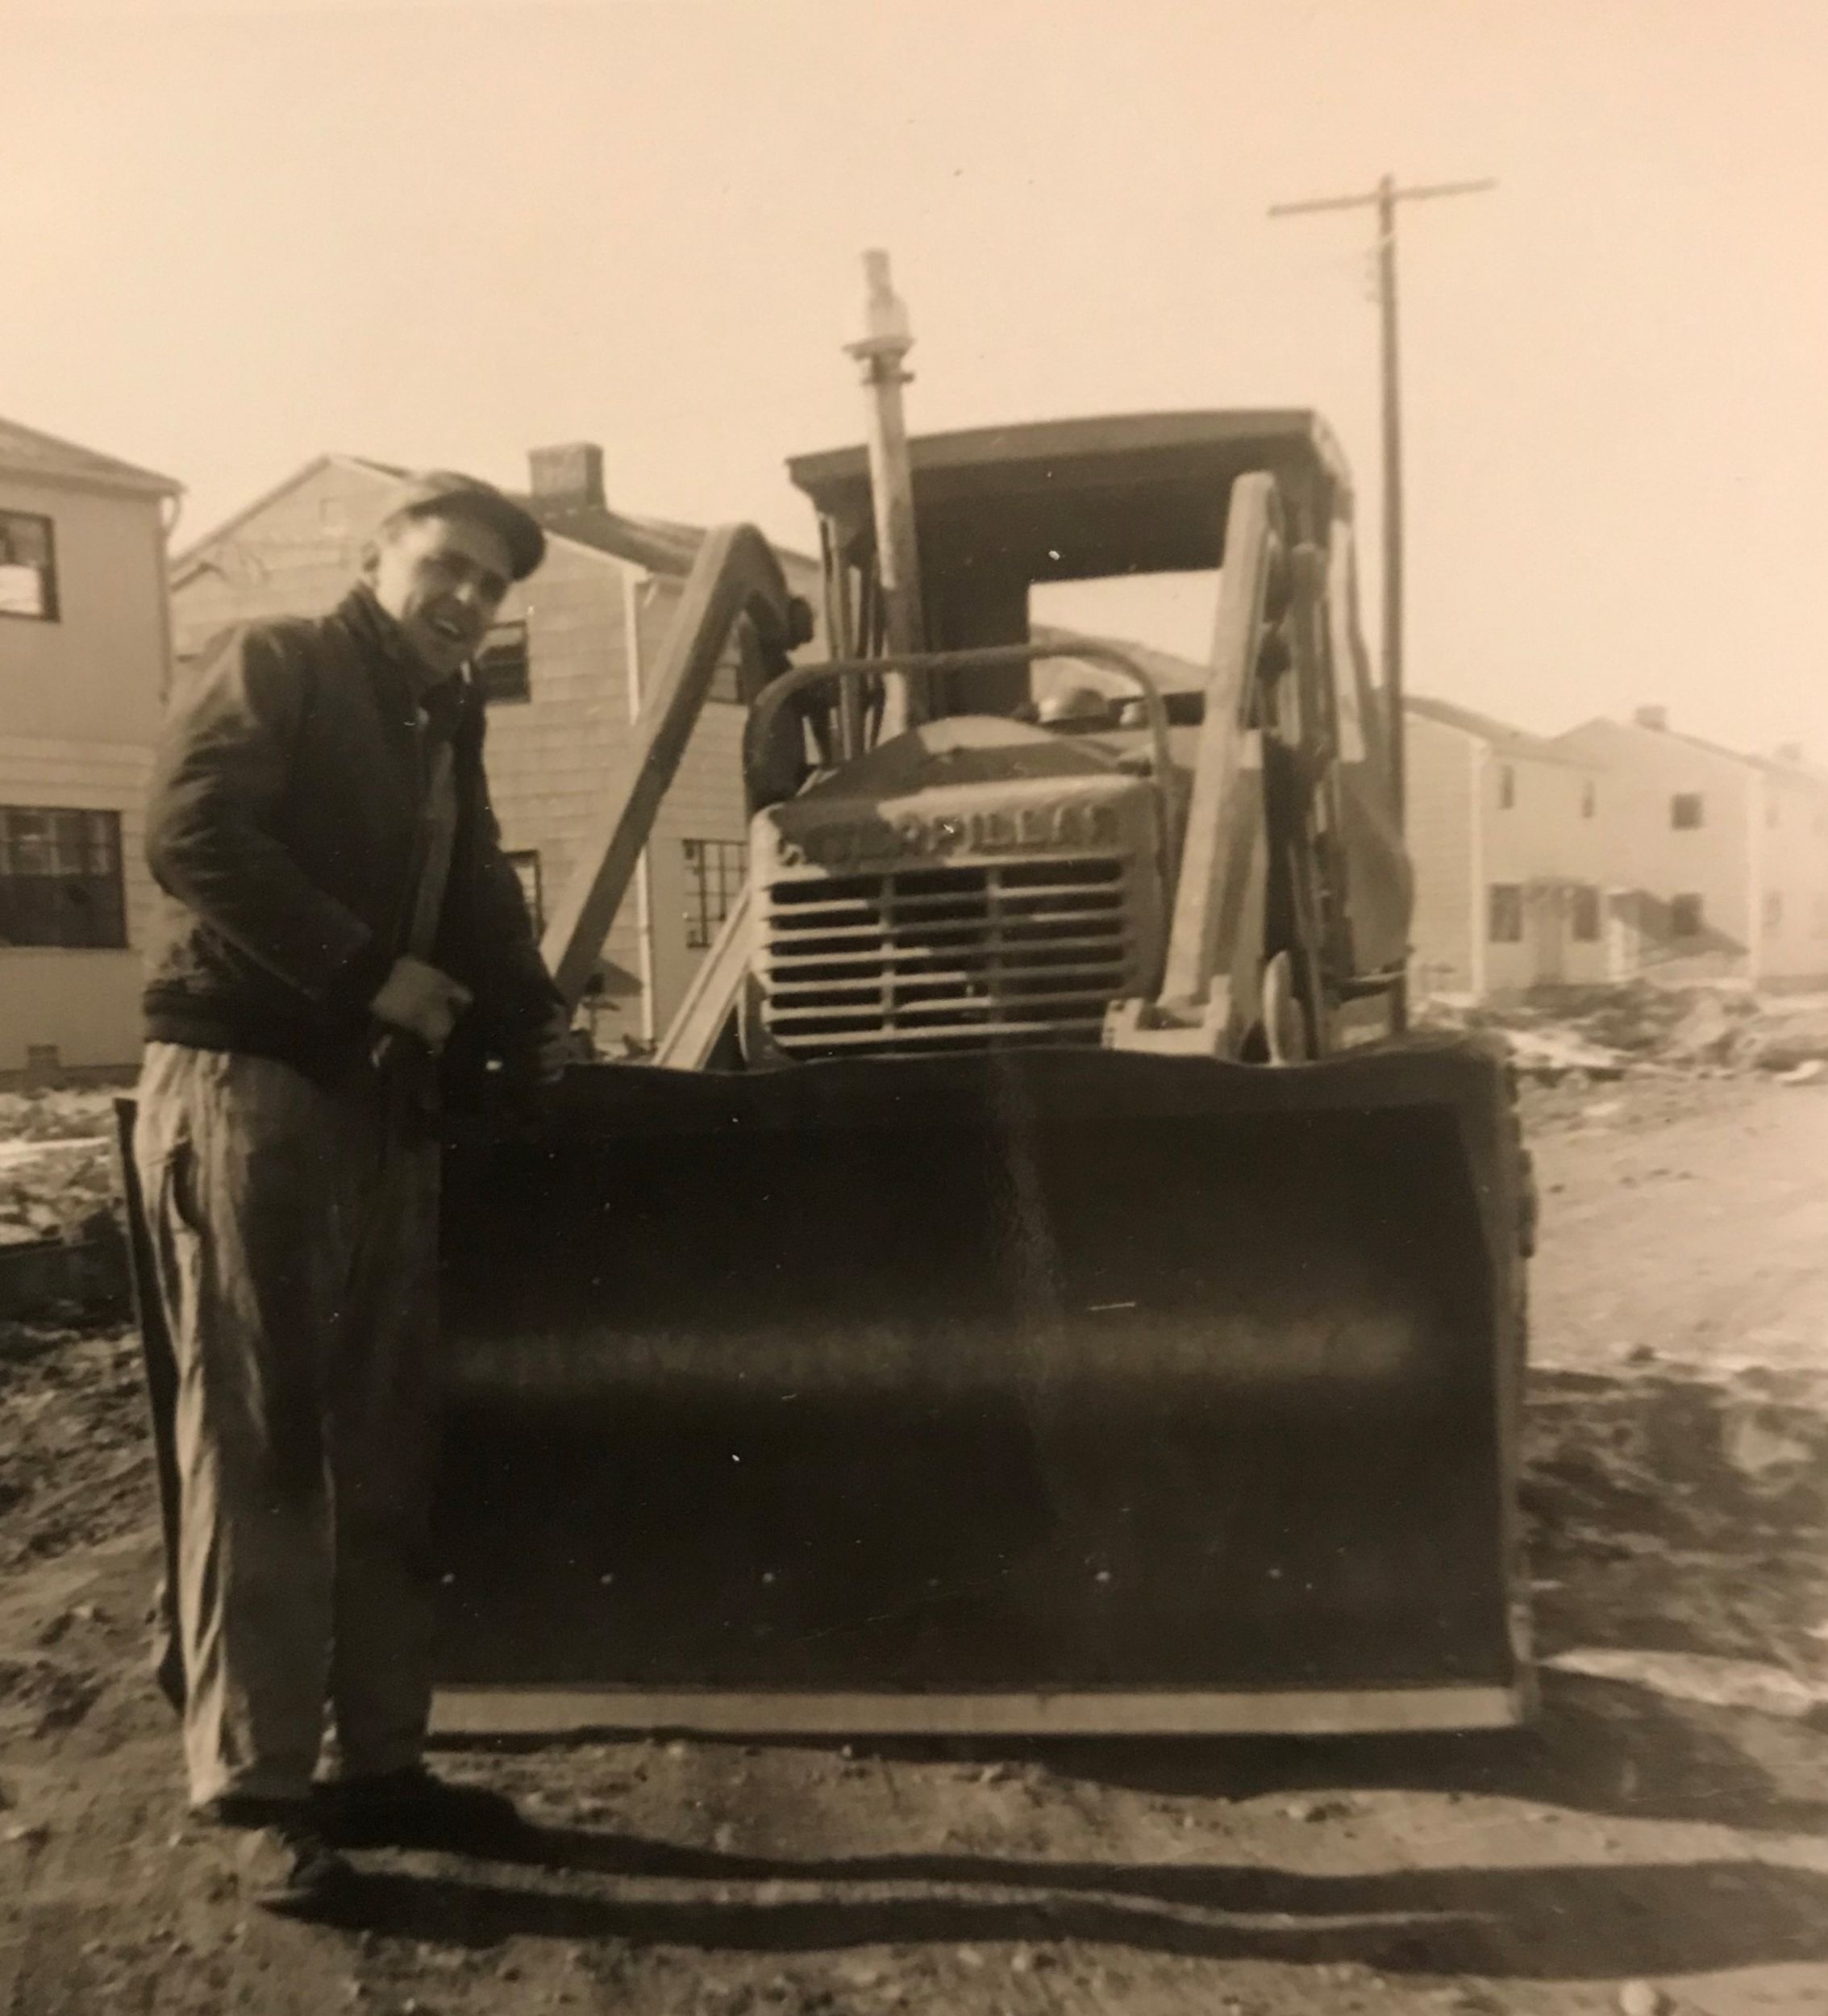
(421, 1001)
(553, 1046)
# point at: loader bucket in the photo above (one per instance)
(1049, 1391)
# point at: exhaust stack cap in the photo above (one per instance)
(887, 332)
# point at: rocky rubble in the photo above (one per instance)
(56, 1162)
(1606, 1032)
(61, 1249)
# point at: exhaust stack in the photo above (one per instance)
(881, 350)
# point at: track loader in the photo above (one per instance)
(1039, 1285)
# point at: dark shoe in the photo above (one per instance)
(283, 1861)
(414, 1808)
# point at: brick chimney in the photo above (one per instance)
(1657, 717)
(568, 476)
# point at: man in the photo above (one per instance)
(334, 910)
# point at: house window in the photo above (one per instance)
(1685, 811)
(1507, 787)
(28, 567)
(60, 877)
(1773, 911)
(525, 862)
(501, 664)
(1685, 917)
(1585, 922)
(1504, 924)
(714, 870)
(727, 680)
(1589, 797)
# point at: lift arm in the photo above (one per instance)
(735, 575)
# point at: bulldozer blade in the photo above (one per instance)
(1045, 1391)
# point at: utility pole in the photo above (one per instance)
(1385, 199)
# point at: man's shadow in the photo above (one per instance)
(1602, 1748)
(1539, 1923)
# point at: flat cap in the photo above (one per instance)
(444, 493)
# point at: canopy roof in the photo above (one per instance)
(1067, 500)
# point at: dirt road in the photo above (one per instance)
(1659, 1834)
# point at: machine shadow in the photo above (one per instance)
(1599, 1745)
(1542, 1923)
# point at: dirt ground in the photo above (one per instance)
(1656, 1842)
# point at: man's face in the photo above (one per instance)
(442, 580)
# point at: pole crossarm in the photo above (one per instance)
(1419, 193)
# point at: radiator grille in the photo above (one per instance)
(923, 959)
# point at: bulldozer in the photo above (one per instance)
(1039, 1285)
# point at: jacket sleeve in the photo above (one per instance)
(488, 939)
(213, 812)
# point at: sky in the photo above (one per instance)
(236, 236)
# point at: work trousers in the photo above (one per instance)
(293, 1226)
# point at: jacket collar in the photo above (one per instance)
(377, 637)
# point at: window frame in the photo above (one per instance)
(513, 697)
(711, 891)
(523, 857)
(1507, 896)
(1680, 801)
(97, 831)
(53, 612)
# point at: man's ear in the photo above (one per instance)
(370, 559)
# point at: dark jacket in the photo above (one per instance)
(283, 829)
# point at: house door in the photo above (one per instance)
(1548, 930)
(1622, 939)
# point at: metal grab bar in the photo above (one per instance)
(1095, 651)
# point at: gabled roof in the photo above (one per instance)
(655, 543)
(25, 451)
(186, 563)
(1768, 766)
(662, 545)
(658, 545)
(1500, 734)
(1804, 773)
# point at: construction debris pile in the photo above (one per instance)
(1682, 1506)
(1603, 1033)
(62, 1245)
(57, 1163)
